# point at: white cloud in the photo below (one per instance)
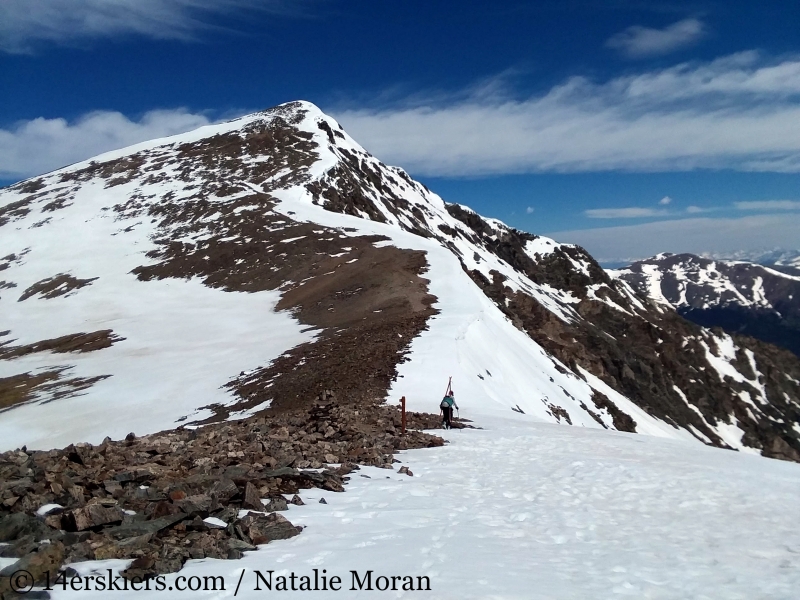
(641, 42)
(715, 236)
(41, 145)
(769, 205)
(665, 200)
(25, 23)
(694, 210)
(529, 210)
(623, 213)
(738, 112)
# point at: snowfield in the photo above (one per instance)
(525, 510)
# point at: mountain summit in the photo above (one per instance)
(254, 264)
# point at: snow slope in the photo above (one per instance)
(183, 340)
(529, 510)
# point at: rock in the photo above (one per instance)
(285, 472)
(199, 504)
(163, 509)
(48, 558)
(91, 515)
(252, 499)
(19, 547)
(406, 471)
(188, 476)
(135, 528)
(137, 475)
(223, 489)
(323, 501)
(263, 529)
(276, 503)
(17, 525)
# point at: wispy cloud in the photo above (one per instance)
(739, 112)
(624, 213)
(665, 200)
(769, 205)
(41, 145)
(529, 210)
(641, 42)
(26, 23)
(713, 236)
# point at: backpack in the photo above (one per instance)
(447, 402)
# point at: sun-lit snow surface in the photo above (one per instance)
(531, 511)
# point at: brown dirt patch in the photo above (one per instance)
(44, 386)
(75, 342)
(57, 285)
(369, 302)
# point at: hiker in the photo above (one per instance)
(446, 406)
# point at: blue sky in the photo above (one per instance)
(629, 127)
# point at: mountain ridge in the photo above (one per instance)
(283, 210)
(738, 296)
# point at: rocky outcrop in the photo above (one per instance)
(164, 498)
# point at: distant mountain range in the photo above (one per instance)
(740, 297)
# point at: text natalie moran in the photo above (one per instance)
(321, 581)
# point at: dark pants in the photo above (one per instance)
(447, 414)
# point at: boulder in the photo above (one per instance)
(137, 527)
(262, 529)
(252, 498)
(90, 516)
(17, 525)
(48, 558)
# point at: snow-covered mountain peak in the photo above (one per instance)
(251, 264)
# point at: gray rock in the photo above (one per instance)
(199, 504)
(252, 499)
(139, 527)
(263, 529)
(17, 525)
(48, 558)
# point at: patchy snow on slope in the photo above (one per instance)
(183, 340)
(540, 512)
(541, 245)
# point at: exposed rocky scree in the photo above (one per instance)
(146, 498)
